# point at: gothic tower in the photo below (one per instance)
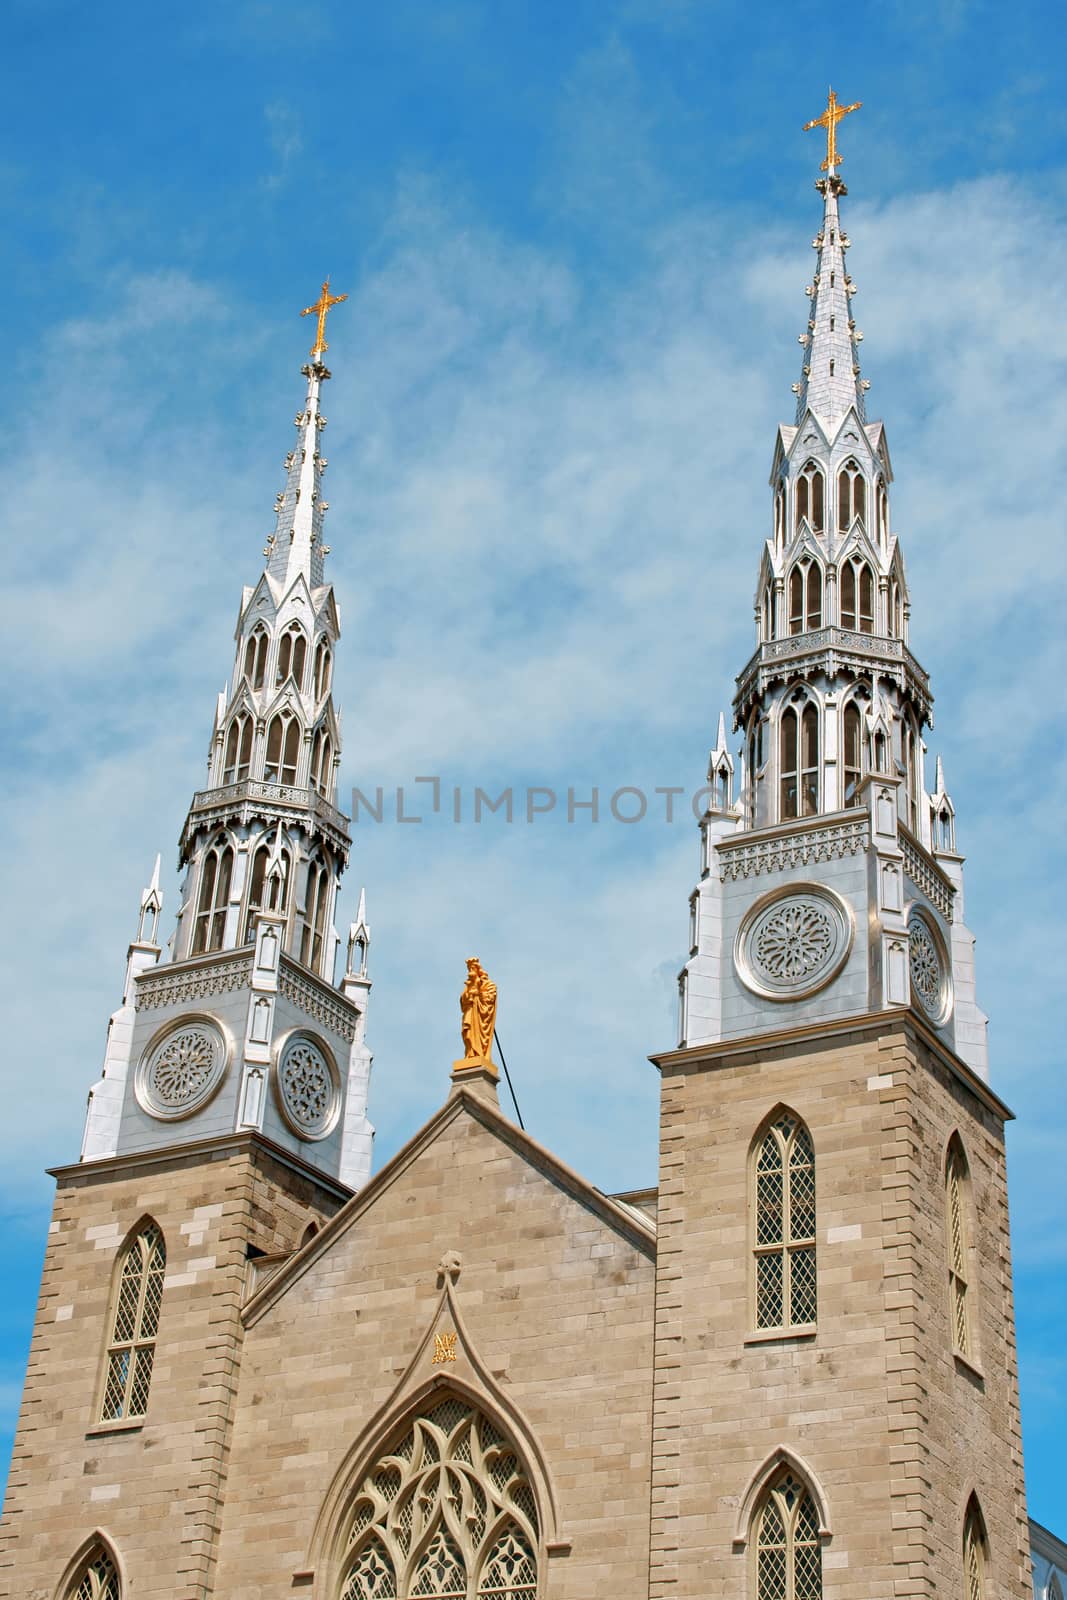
(230, 1120)
(836, 1395)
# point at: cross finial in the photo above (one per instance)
(829, 120)
(323, 305)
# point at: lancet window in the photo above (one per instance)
(135, 1321)
(97, 1579)
(805, 597)
(292, 655)
(215, 874)
(975, 1552)
(851, 496)
(852, 742)
(754, 766)
(767, 612)
(256, 658)
(322, 762)
(811, 495)
(883, 511)
(237, 763)
(316, 907)
(857, 597)
(943, 828)
(783, 1220)
(957, 1220)
(267, 890)
(779, 515)
(283, 750)
(788, 1554)
(909, 753)
(895, 619)
(446, 1513)
(323, 664)
(799, 762)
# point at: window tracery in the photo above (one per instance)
(857, 597)
(256, 658)
(975, 1552)
(852, 741)
(135, 1322)
(266, 894)
(851, 496)
(283, 750)
(322, 762)
(788, 1552)
(448, 1513)
(957, 1196)
(805, 597)
(292, 655)
(316, 904)
(799, 762)
(783, 1215)
(238, 758)
(98, 1579)
(323, 663)
(811, 497)
(209, 926)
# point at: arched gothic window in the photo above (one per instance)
(783, 1221)
(767, 612)
(909, 755)
(883, 511)
(215, 874)
(1053, 1590)
(805, 597)
(447, 1513)
(943, 829)
(256, 658)
(322, 763)
(852, 740)
(96, 1579)
(322, 668)
(975, 1552)
(238, 760)
(266, 894)
(857, 597)
(292, 655)
(799, 762)
(316, 905)
(811, 496)
(779, 515)
(132, 1342)
(283, 750)
(957, 1221)
(851, 496)
(753, 766)
(788, 1554)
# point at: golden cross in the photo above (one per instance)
(323, 305)
(829, 120)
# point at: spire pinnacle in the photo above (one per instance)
(322, 308)
(829, 120)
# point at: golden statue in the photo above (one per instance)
(829, 120)
(477, 1004)
(322, 307)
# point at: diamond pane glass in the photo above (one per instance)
(142, 1378)
(788, 1554)
(770, 1210)
(784, 1214)
(134, 1327)
(769, 1291)
(802, 1285)
(959, 1312)
(510, 1571)
(371, 1576)
(441, 1572)
(99, 1581)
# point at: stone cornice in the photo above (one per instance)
(831, 651)
(793, 844)
(270, 802)
(722, 1051)
(212, 1149)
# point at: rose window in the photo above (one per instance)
(929, 982)
(182, 1070)
(308, 1088)
(793, 942)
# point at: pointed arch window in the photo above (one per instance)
(805, 597)
(852, 740)
(799, 762)
(788, 1552)
(322, 763)
(267, 891)
(209, 927)
(851, 496)
(1053, 1590)
(857, 597)
(754, 766)
(975, 1552)
(957, 1221)
(767, 612)
(883, 511)
(256, 658)
(446, 1513)
(283, 750)
(909, 753)
(97, 1579)
(779, 515)
(316, 906)
(134, 1324)
(323, 664)
(811, 495)
(292, 655)
(238, 759)
(783, 1221)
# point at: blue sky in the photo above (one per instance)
(575, 239)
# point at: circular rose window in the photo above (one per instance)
(182, 1069)
(931, 985)
(307, 1086)
(793, 942)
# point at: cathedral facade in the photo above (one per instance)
(788, 1372)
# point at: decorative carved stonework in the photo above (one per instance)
(793, 942)
(745, 858)
(927, 876)
(182, 1068)
(307, 1086)
(318, 1002)
(162, 988)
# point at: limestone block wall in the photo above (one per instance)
(890, 1428)
(556, 1306)
(153, 1486)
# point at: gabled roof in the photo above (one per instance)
(638, 1231)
